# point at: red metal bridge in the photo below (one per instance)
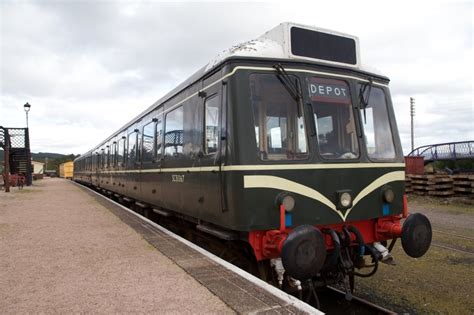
(451, 151)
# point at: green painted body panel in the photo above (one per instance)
(219, 197)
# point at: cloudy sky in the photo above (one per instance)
(87, 67)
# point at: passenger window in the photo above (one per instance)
(174, 127)
(211, 124)
(279, 123)
(120, 151)
(108, 157)
(113, 160)
(148, 142)
(132, 149)
(159, 137)
(102, 159)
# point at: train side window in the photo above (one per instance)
(279, 123)
(159, 138)
(114, 154)
(174, 127)
(132, 148)
(108, 157)
(102, 158)
(211, 124)
(148, 142)
(120, 151)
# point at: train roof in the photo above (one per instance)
(289, 42)
(293, 41)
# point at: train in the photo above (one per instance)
(66, 170)
(286, 143)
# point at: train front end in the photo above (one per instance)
(319, 158)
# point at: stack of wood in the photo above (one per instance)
(463, 184)
(419, 184)
(439, 184)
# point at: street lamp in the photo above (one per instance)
(27, 109)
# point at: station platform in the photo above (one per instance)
(65, 249)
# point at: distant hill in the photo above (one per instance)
(54, 159)
(42, 155)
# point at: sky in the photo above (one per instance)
(88, 67)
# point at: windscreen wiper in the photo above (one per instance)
(293, 88)
(364, 102)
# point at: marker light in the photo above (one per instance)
(388, 195)
(288, 202)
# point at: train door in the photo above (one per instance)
(210, 157)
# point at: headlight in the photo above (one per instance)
(345, 199)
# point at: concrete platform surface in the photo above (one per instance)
(62, 251)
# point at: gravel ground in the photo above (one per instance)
(62, 252)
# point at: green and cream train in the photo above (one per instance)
(286, 143)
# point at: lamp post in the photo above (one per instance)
(27, 109)
(28, 174)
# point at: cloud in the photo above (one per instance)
(88, 67)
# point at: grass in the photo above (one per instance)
(440, 282)
(457, 205)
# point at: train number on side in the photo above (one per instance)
(177, 178)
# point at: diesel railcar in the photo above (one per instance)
(287, 143)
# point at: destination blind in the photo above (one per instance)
(328, 90)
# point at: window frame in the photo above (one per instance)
(178, 154)
(355, 116)
(153, 149)
(204, 141)
(304, 156)
(127, 164)
(160, 119)
(390, 118)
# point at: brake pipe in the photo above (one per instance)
(359, 239)
(336, 242)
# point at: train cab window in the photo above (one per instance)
(279, 123)
(148, 142)
(211, 124)
(376, 124)
(334, 118)
(174, 126)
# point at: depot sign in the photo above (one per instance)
(325, 90)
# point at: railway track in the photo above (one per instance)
(455, 235)
(449, 246)
(435, 244)
(332, 300)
